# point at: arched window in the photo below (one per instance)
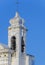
(13, 43)
(22, 45)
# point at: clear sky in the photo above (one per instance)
(33, 11)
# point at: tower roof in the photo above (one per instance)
(17, 20)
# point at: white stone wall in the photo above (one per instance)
(9, 58)
(4, 58)
(15, 32)
(22, 60)
(18, 60)
(29, 60)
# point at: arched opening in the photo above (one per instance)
(13, 43)
(22, 45)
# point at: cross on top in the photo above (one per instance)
(17, 5)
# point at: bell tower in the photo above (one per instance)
(16, 39)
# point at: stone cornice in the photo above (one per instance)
(6, 51)
(19, 26)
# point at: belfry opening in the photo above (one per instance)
(22, 45)
(13, 43)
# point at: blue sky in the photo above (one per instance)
(33, 11)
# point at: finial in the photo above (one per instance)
(17, 15)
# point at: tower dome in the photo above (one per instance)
(17, 20)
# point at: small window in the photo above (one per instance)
(11, 55)
(0, 56)
(5, 55)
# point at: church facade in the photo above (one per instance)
(14, 53)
